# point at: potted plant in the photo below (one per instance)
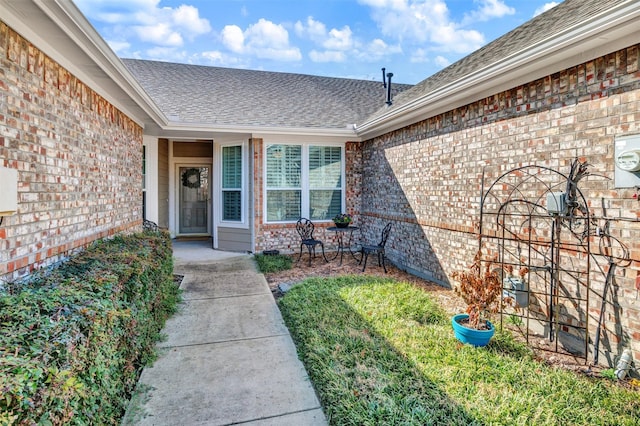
(481, 288)
(342, 220)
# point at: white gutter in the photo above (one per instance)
(205, 128)
(613, 30)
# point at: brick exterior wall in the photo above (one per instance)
(78, 160)
(427, 178)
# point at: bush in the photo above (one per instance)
(73, 342)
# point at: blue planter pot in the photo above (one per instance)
(470, 335)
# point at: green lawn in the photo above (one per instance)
(383, 352)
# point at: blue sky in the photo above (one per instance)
(337, 38)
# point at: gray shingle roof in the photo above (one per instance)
(238, 97)
(562, 17)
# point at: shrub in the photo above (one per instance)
(73, 342)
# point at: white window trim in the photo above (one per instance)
(304, 178)
(244, 197)
(151, 178)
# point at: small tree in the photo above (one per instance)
(481, 289)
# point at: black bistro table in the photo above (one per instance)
(340, 234)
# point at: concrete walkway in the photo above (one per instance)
(228, 358)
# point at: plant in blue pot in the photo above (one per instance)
(481, 288)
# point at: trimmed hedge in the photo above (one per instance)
(73, 342)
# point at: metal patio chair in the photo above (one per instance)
(378, 249)
(305, 229)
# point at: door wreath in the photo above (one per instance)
(191, 178)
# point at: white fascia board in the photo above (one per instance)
(588, 40)
(208, 130)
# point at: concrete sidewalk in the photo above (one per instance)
(228, 358)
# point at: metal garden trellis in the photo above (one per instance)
(537, 218)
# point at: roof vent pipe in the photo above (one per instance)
(389, 75)
(384, 79)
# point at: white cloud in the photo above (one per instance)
(339, 39)
(218, 58)
(314, 30)
(267, 34)
(213, 56)
(187, 18)
(377, 50)
(338, 45)
(233, 38)
(545, 7)
(488, 9)
(442, 62)
(160, 34)
(429, 21)
(419, 56)
(451, 39)
(378, 45)
(264, 39)
(145, 19)
(327, 56)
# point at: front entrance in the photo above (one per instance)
(193, 200)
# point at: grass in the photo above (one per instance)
(273, 263)
(383, 352)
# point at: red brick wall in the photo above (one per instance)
(78, 160)
(426, 178)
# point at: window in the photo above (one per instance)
(325, 182)
(303, 181)
(284, 190)
(232, 183)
